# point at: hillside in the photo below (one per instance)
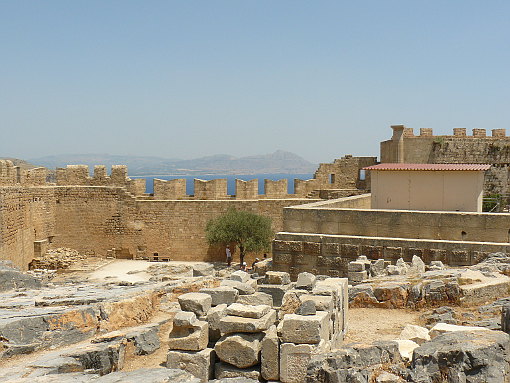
(277, 162)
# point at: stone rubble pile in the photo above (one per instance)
(362, 268)
(258, 328)
(444, 354)
(55, 259)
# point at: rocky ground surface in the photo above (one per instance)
(115, 321)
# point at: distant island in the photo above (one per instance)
(277, 162)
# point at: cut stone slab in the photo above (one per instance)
(356, 266)
(240, 276)
(193, 338)
(240, 350)
(277, 278)
(213, 318)
(259, 298)
(199, 303)
(228, 372)
(203, 269)
(357, 276)
(309, 329)
(185, 319)
(276, 291)
(221, 295)
(406, 348)
(199, 364)
(294, 360)
(307, 308)
(415, 333)
(305, 281)
(322, 302)
(270, 355)
(232, 324)
(246, 311)
(243, 288)
(441, 328)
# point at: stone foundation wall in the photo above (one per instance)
(330, 254)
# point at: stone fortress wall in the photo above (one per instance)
(477, 148)
(324, 237)
(102, 214)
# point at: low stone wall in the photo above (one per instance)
(330, 254)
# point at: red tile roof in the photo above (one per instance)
(430, 167)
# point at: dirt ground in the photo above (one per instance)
(369, 324)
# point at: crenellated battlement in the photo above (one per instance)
(79, 175)
(457, 133)
(343, 174)
(11, 175)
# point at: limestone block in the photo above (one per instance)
(199, 364)
(199, 303)
(231, 324)
(240, 350)
(307, 308)
(436, 265)
(294, 360)
(259, 298)
(240, 276)
(357, 276)
(243, 288)
(356, 266)
(276, 291)
(221, 295)
(377, 268)
(406, 348)
(417, 265)
(415, 333)
(322, 302)
(290, 303)
(270, 355)
(252, 283)
(225, 371)
(338, 288)
(262, 267)
(246, 311)
(213, 318)
(185, 319)
(277, 278)
(441, 328)
(305, 329)
(305, 281)
(203, 269)
(189, 338)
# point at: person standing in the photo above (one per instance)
(229, 255)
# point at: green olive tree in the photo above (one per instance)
(250, 232)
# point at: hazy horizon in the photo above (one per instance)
(193, 79)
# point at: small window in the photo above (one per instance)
(463, 235)
(331, 178)
(362, 175)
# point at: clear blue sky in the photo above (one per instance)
(192, 78)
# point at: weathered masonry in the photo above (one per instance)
(323, 237)
(111, 214)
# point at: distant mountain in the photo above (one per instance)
(277, 162)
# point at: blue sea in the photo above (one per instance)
(231, 183)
